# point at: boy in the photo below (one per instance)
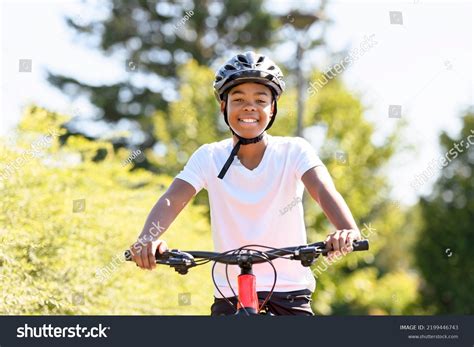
(249, 189)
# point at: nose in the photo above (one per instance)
(249, 106)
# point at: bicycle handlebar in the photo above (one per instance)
(182, 260)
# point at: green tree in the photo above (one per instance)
(154, 39)
(66, 219)
(443, 250)
(191, 121)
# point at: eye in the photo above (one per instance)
(261, 101)
(238, 100)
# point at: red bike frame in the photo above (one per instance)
(247, 293)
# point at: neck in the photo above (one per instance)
(253, 151)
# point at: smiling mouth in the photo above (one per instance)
(248, 120)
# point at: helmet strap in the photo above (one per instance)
(274, 112)
(235, 150)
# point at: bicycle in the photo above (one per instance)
(245, 257)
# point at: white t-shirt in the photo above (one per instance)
(260, 206)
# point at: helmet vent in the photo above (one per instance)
(251, 67)
(241, 58)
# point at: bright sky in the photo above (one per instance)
(424, 65)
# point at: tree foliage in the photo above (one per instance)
(443, 250)
(154, 39)
(57, 261)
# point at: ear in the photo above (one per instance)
(222, 106)
(273, 108)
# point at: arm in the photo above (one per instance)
(320, 186)
(159, 219)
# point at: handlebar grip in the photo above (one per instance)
(128, 255)
(360, 245)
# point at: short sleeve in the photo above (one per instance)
(194, 170)
(306, 157)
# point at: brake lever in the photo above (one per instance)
(168, 254)
(307, 255)
(179, 261)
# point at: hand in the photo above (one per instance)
(341, 241)
(143, 252)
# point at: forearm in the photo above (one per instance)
(336, 209)
(159, 219)
(167, 209)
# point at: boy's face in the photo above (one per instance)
(249, 109)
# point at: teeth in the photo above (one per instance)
(249, 120)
